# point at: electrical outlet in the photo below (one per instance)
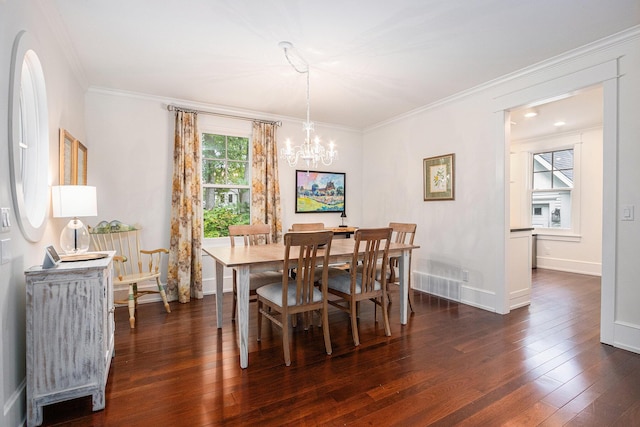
(627, 213)
(465, 275)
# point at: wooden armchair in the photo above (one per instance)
(134, 267)
(281, 301)
(364, 283)
(254, 234)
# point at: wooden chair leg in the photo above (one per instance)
(259, 320)
(135, 294)
(285, 339)
(132, 307)
(385, 316)
(354, 323)
(411, 298)
(235, 298)
(325, 327)
(307, 319)
(163, 294)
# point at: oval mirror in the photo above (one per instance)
(28, 138)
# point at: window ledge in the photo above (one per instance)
(559, 237)
(215, 241)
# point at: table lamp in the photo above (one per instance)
(342, 217)
(74, 201)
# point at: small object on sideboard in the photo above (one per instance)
(51, 258)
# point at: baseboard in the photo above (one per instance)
(208, 288)
(209, 285)
(479, 298)
(15, 410)
(626, 336)
(454, 290)
(570, 266)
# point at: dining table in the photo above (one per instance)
(257, 258)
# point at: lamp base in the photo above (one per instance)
(75, 238)
(343, 226)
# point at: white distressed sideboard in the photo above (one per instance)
(70, 333)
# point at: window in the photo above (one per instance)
(552, 189)
(226, 183)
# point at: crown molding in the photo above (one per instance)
(602, 44)
(214, 108)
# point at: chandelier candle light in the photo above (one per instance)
(312, 152)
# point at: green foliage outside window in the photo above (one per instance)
(225, 177)
(218, 220)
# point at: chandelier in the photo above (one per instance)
(311, 151)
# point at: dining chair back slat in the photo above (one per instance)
(307, 226)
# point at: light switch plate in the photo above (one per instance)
(627, 213)
(5, 221)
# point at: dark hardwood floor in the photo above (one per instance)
(451, 365)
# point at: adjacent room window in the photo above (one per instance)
(226, 183)
(552, 189)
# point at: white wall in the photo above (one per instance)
(579, 251)
(469, 233)
(65, 97)
(457, 235)
(131, 154)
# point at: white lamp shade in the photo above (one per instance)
(73, 201)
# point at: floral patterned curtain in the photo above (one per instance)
(265, 187)
(185, 256)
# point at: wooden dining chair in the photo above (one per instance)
(307, 226)
(335, 269)
(279, 302)
(137, 270)
(254, 234)
(364, 283)
(402, 233)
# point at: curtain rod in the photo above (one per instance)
(172, 107)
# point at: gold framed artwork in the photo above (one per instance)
(73, 160)
(439, 176)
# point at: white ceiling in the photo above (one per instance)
(370, 60)
(577, 111)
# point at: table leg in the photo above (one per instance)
(403, 263)
(219, 292)
(242, 314)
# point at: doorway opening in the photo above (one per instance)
(556, 179)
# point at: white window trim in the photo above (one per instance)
(572, 234)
